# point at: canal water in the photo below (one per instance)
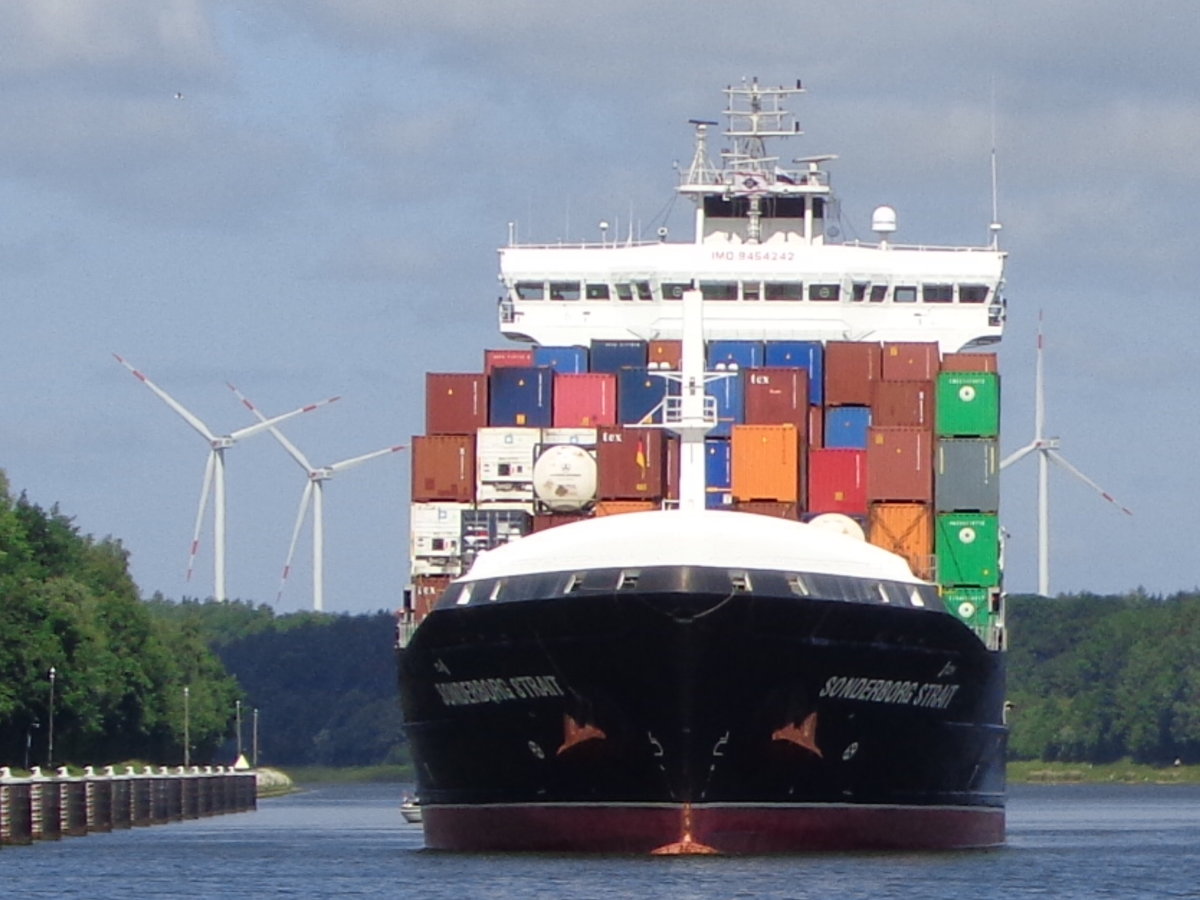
(349, 841)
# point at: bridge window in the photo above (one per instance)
(858, 291)
(531, 290)
(673, 290)
(783, 290)
(643, 290)
(564, 290)
(905, 294)
(825, 292)
(719, 290)
(878, 293)
(937, 293)
(624, 291)
(596, 292)
(972, 293)
(751, 290)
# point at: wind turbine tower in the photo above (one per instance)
(314, 492)
(214, 473)
(1046, 449)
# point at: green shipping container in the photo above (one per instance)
(968, 404)
(968, 549)
(971, 605)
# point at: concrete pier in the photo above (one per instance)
(46, 807)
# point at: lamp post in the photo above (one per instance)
(255, 733)
(238, 707)
(187, 737)
(50, 732)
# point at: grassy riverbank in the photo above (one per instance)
(1121, 772)
(349, 774)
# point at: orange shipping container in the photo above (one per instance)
(768, 508)
(766, 463)
(905, 529)
(616, 507)
(664, 354)
(426, 591)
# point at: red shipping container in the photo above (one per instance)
(910, 361)
(851, 367)
(664, 354)
(970, 362)
(778, 397)
(837, 481)
(903, 403)
(455, 403)
(899, 464)
(426, 591)
(816, 426)
(443, 468)
(630, 463)
(671, 450)
(495, 359)
(585, 400)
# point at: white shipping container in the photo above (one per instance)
(435, 531)
(504, 463)
(585, 437)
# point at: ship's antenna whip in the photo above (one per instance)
(995, 226)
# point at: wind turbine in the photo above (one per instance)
(314, 491)
(1047, 452)
(214, 471)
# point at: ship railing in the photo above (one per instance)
(508, 311)
(958, 248)
(673, 410)
(583, 245)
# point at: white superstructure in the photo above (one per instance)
(766, 257)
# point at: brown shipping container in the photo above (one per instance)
(617, 507)
(541, 522)
(910, 361)
(768, 508)
(664, 354)
(899, 464)
(766, 463)
(905, 529)
(496, 359)
(777, 397)
(455, 403)
(816, 427)
(443, 468)
(851, 367)
(630, 463)
(903, 403)
(426, 591)
(970, 362)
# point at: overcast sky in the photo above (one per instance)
(305, 197)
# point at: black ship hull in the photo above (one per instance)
(676, 718)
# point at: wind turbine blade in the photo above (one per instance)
(265, 424)
(1018, 455)
(187, 416)
(287, 566)
(292, 449)
(1039, 414)
(1058, 458)
(205, 488)
(351, 463)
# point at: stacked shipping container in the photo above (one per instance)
(890, 434)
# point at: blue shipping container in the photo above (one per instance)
(639, 392)
(718, 473)
(808, 355)
(613, 356)
(846, 427)
(731, 402)
(567, 360)
(739, 354)
(522, 396)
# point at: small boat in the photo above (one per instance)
(410, 808)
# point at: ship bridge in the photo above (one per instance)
(763, 255)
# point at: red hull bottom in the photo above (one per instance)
(710, 829)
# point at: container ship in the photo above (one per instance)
(706, 560)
